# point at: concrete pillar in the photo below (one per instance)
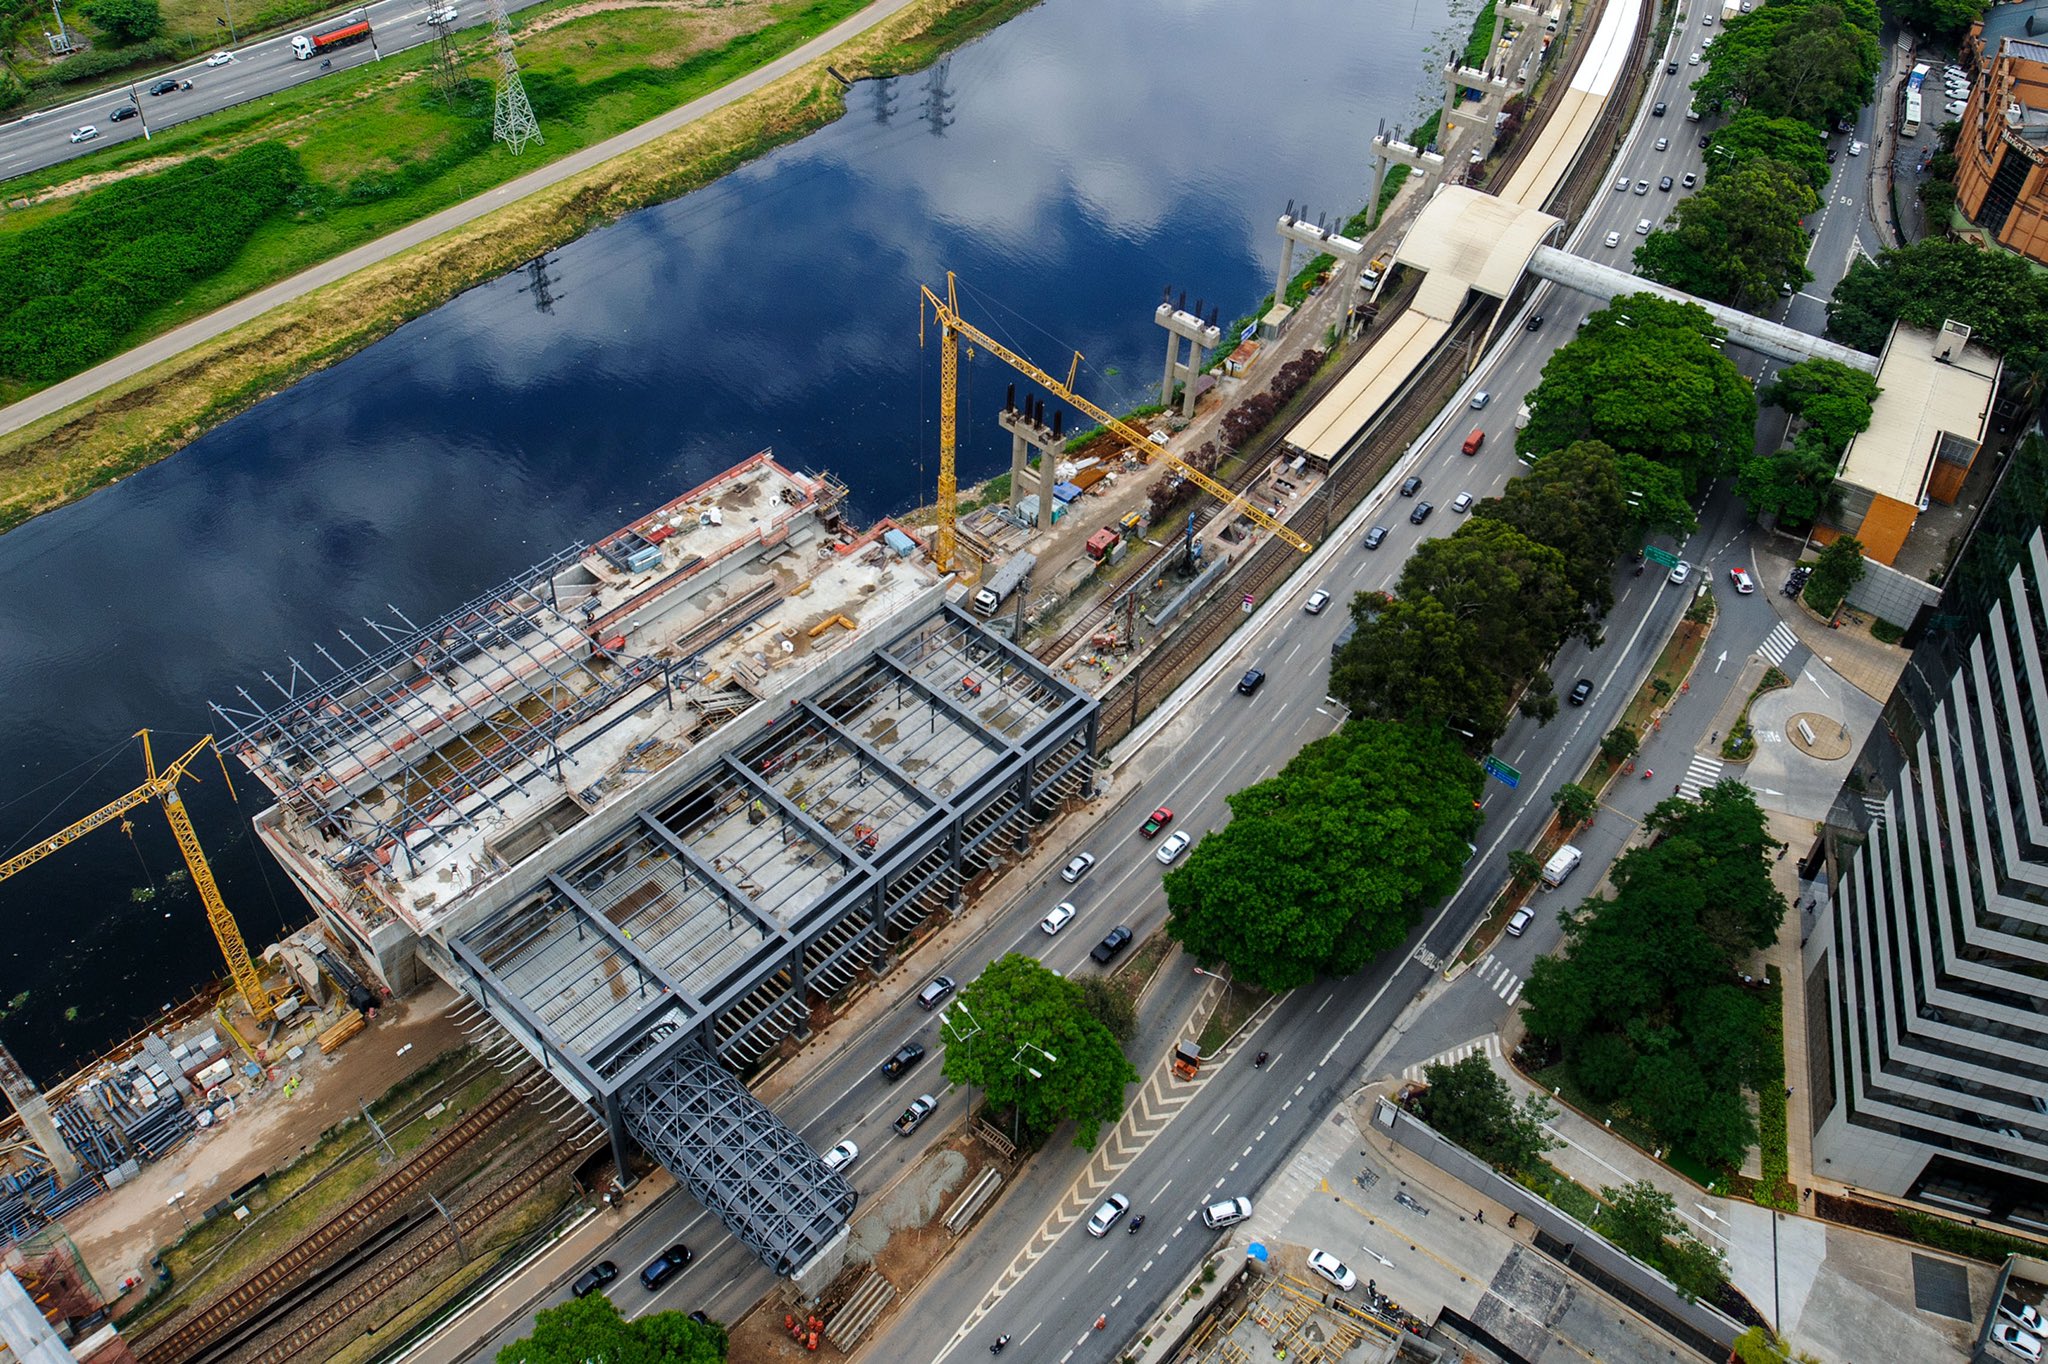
(1286, 269)
(35, 1116)
(1020, 465)
(1048, 474)
(1172, 363)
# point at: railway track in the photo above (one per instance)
(241, 1301)
(415, 1258)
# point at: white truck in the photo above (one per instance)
(1002, 582)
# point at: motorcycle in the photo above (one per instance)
(1137, 1222)
(1002, 1343)
(1259, 1061)
(327, 63)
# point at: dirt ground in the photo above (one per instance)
(119, 1231)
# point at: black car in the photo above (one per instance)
(1536, 323)
(1671, 68)
(594, 1278)
(1119, 938)
(1411, 485)
(1664, 182)
(1581, 689)
(1658, 108)
(125, 111)
(665, 1266)
(1251, 682)
(1421, 513)
(1706, 138)
(167, 85)
(1833, 152)
(1375, 537)
(907, 1055)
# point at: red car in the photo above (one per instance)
(1160, 819)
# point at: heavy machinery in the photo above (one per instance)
(163, 788)
(952, 327)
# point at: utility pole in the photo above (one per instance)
(234, 38)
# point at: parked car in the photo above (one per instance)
(2016, 1340)
(1680, 571)
(1175, 844)
(1158, 820)
(126, 111)
(1317, 600)
(1581, 689)
(1462, 502)
(936, 992)
(907, 1055)
(2022, 1314)
(1377, 536)
(1062, 914)
(1421, 513)
(85, 133)
(1954, 108)
(841, 1156)
(1108, 1215)
(1077, 867)
(1333, 1269)
(1117, 940)
(1253, 679)
(594, 1278)
(665, 1266)
(1743, 583)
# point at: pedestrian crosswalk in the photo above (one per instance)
(1778, 645)
(1494, 972)
(1488, 1045)
(1703, 772)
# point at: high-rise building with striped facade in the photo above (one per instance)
(1927, 984)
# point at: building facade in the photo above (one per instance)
(2002, 153)
(1927, 964)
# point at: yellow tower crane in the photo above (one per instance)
(952, 327)
(163, 787)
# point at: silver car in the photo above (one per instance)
(1108, 1215)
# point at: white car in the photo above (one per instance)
(841, 1156)
(84, 134)
(1693, 60)
(1317, 600)
(1680, 571)
(1174, 846)
(1062, 914)
(1108, 1215)
(1462, 502)
(2016, 1340)
(1954, 108)
(1855, 149)
(1077, 867)
(1614, 239)
(1519, 925)
(1642, 227)
(446, 14)
(1333, 1269)
(1621, 185)
(220, 59)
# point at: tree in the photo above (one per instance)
(584, 1329)
(1811, 60)
(1698, 1269)
(1023, 1036)
(1539, 699)
(126, 21)
(1738, 238)
(1110, 1007)
(1619, 744)
(1758, 1346)
(1642, 379)
(1575, 804)
(1524, 866)
(1753, 135)
(1637, 1217)
(1718, 844)
(1329, 863)
(1838, 569)
(1468, 1104)
(1936, 18)
(1414, 660)
(1794, 485)
(1832, 399)
(1995, 293)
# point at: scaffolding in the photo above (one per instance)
(394, 752)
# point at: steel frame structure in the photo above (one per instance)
(697, 932)
(446, 718)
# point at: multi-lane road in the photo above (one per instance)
(1033, 1272)
(260, 68)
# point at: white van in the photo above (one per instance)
(1562, 863)
(1230, 1210)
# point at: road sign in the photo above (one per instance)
(1501, 772)
(1660, 556)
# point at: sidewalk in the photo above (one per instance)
(1852, 651)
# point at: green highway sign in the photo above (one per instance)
(1660, 556)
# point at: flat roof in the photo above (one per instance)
(1368, 385)
(1465, 240)
(1922, 398)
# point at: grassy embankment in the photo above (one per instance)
(382, 149)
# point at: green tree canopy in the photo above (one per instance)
(1414, 660)
(1936, 18)
(1794, 485)
(1755, 136)
(1017, 1017)
(126, 21)
(1470, 1105)
(586, 1329)
(1831, 398)
(1738, 238)
(1811, 60)
(1838, 569)
(1642, 379)
(1995, 293)
(1329, 863)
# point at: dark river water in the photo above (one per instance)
(1068, 166)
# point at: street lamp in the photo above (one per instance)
(234, 38)
(177, 1200)
(1017, 1108)
(1212, 975)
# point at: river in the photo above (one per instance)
(1067, 165)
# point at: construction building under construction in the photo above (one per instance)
(653, 800)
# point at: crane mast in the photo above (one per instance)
(952, 327)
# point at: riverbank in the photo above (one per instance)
(148, 404)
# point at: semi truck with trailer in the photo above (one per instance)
(1002, 582)
(306, 48)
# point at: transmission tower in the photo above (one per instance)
(512, 121)
(447, 75)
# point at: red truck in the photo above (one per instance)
(304, 48)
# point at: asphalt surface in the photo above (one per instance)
(260, 68)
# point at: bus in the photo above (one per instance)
(1910, 125)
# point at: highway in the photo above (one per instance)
(1032, 1271)
(43, 138)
